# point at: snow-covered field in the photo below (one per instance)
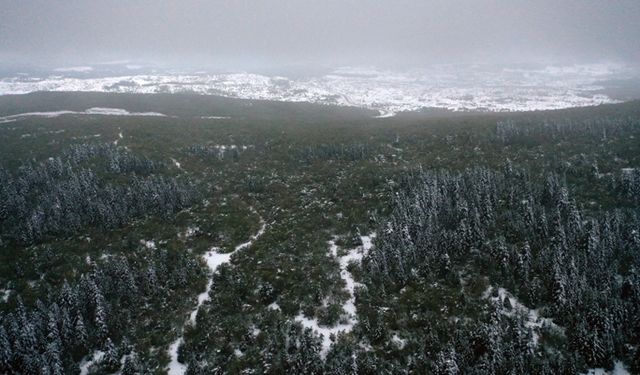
(96, 111)
(452, 87)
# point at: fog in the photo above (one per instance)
(279, 33)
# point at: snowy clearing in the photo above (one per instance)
(215, 117)
(98, 111)
(75, 69)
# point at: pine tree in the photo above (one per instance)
(446, 363)
(81, 339)
(100, 318)
(53, 358)
(111, 359)
(131, 365)
(6, 352)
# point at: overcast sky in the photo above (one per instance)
(324, 32)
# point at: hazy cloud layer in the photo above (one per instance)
(329, 32)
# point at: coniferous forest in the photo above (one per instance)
(252, 237)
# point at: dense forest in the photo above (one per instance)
(426, 243)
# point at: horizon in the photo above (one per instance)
(273, 34)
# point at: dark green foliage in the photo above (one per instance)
(61, 197)
(480, 219)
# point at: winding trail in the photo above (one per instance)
(349, 307)
(214, 259)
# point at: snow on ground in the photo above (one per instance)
(263, 227)
(88, 136)
(175, 367)
(99, 111)
(190, 232)
(215, 117)
(324, 332)
(176, 163)
(534, 321)
(151, 245)
(274, 306)
(75, 69)
(118, 112)
(90, 361)
(120, 136)
(213, 259)
(4, 295)
(618, 369)
(453, 87)
(367, 242)
(398, 341)
(349, 307)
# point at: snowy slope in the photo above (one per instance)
(457, 88)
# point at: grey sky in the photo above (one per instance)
(327, 32)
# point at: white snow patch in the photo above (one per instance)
(75, 69)
(151, 245)
(118, 112)
(90, 361)
(398, 341)
(367, 242)
(4, 295)
(274, 306)
(255, 331)
(213, 260)
(618, 369)
(175, 367)
(118, 140)
(384, 114)
(191, 231)
(176, 163)
(215, 117)
(99, 111)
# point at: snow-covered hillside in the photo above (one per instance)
(458, 88)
